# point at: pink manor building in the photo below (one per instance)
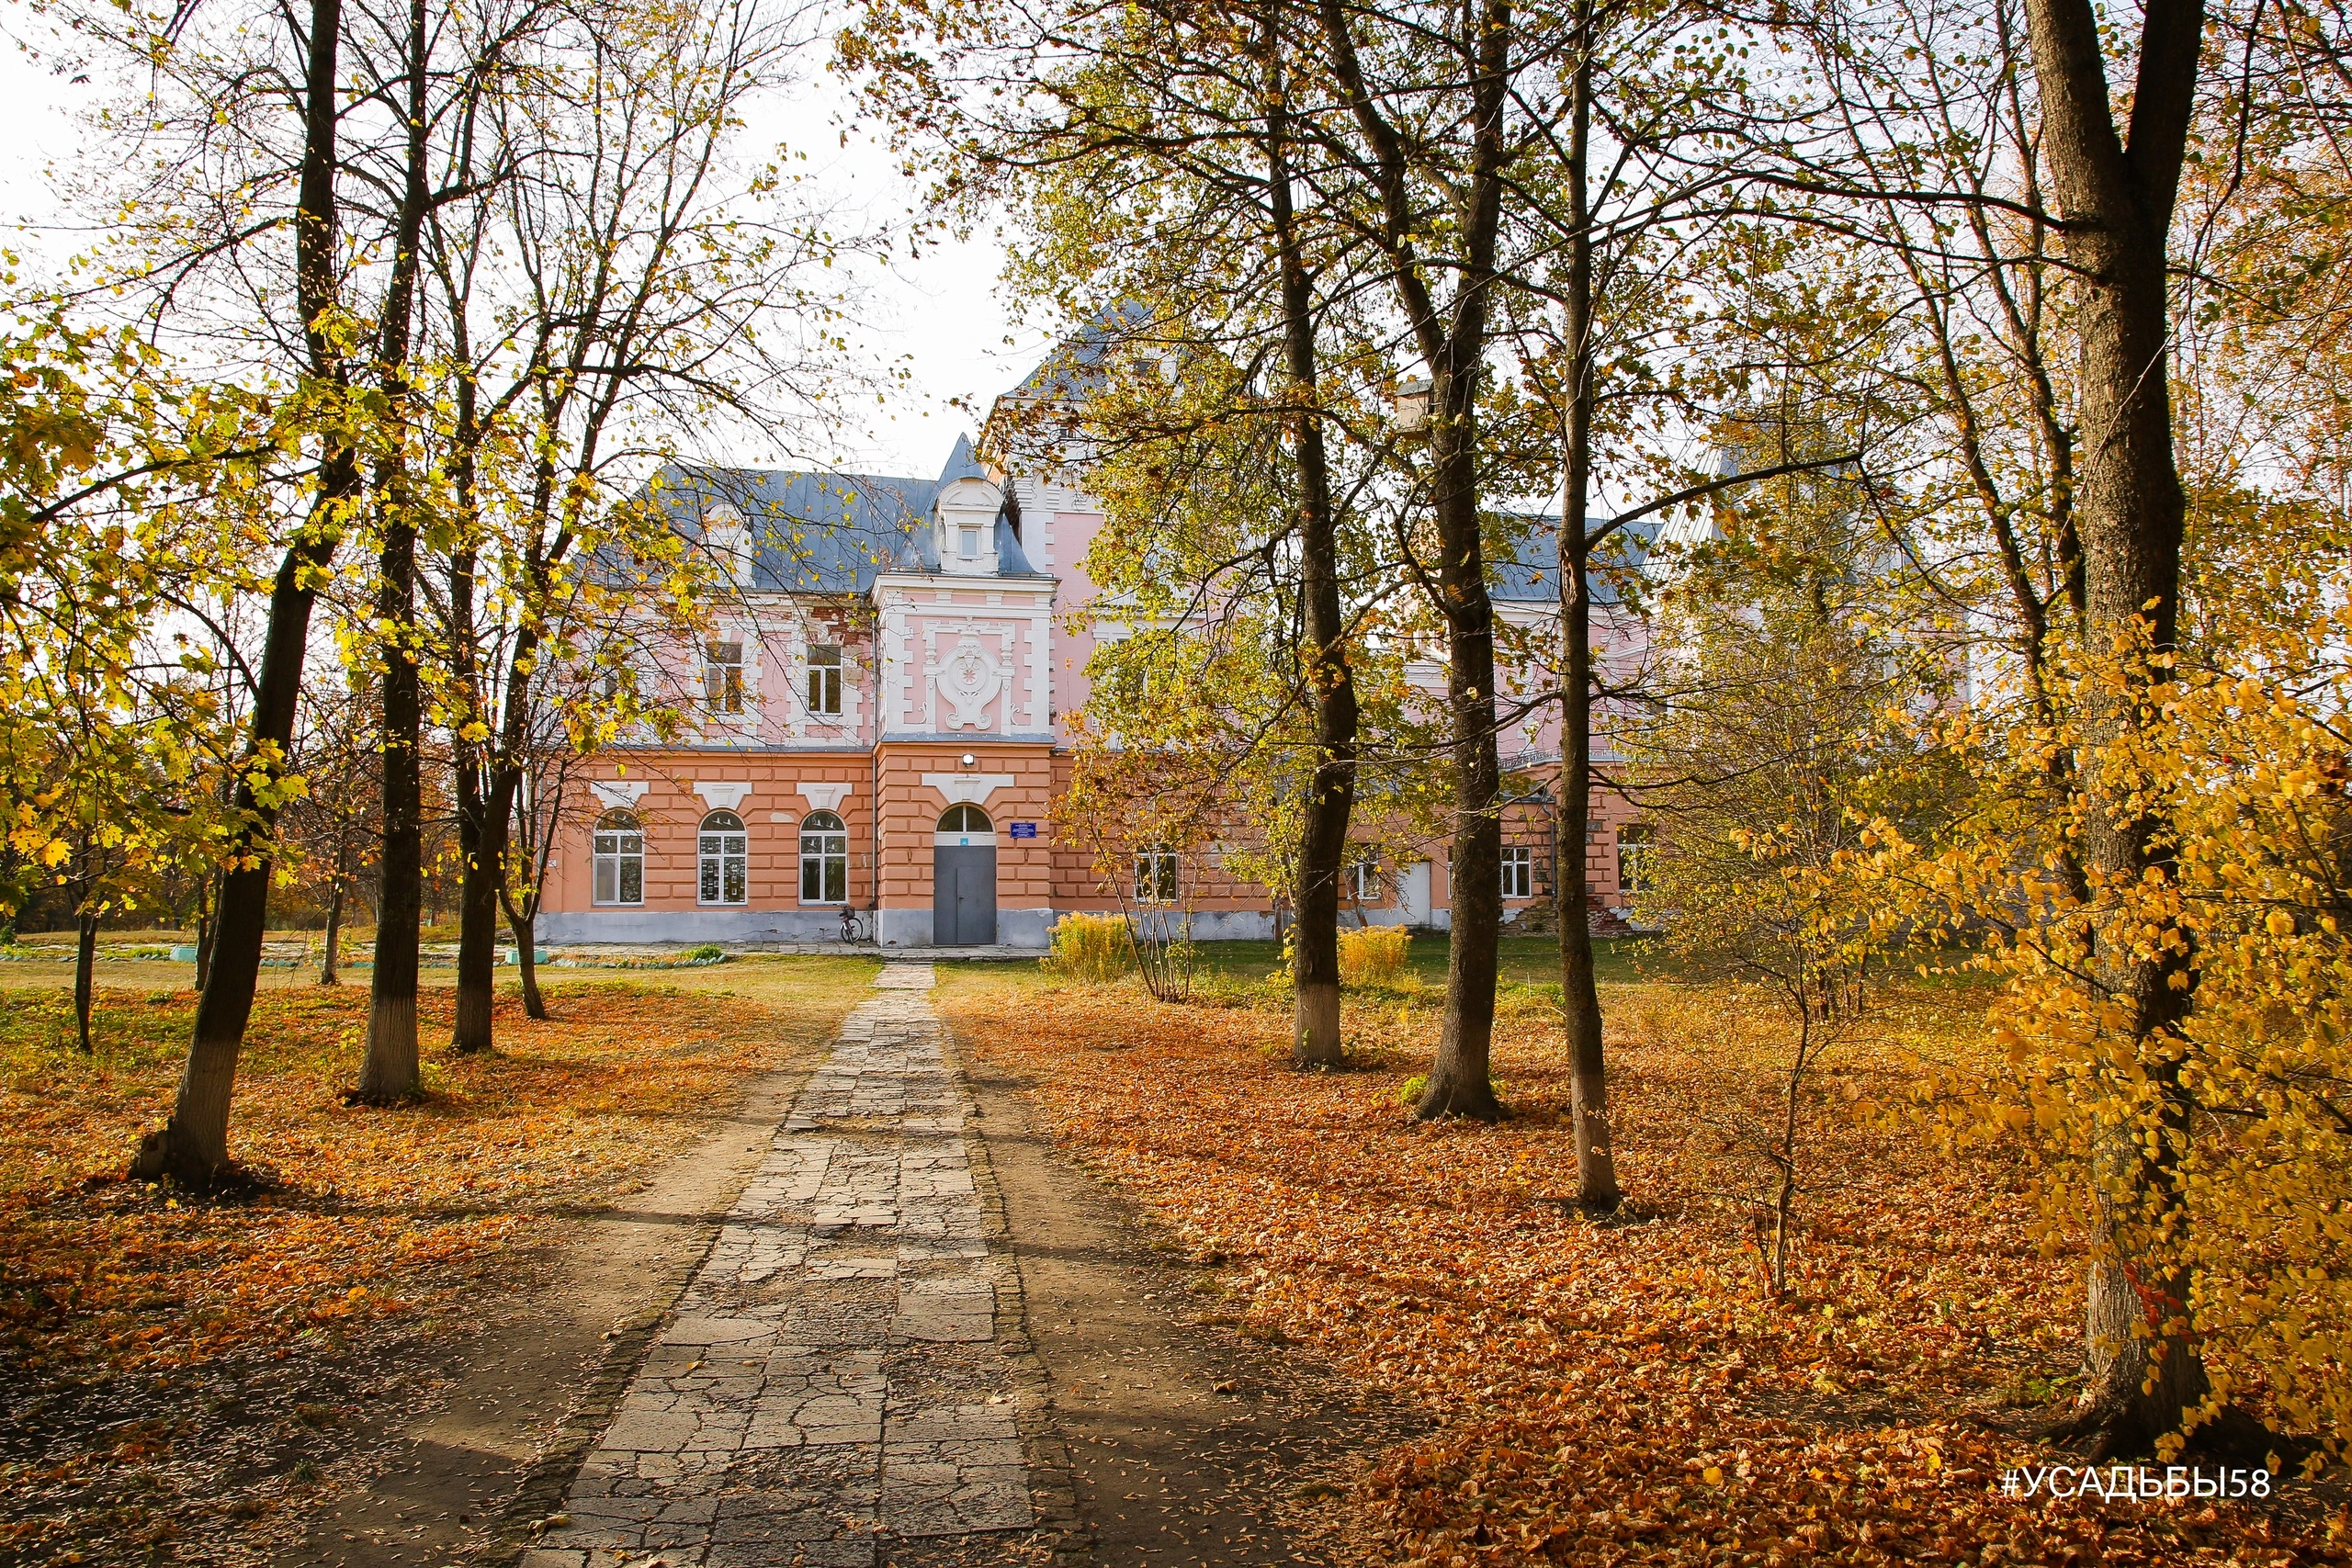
(881, 723)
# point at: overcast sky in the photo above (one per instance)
(940, 314)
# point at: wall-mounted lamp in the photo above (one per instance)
(969, 760)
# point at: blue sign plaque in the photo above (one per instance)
(1025, 829)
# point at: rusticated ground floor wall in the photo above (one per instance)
(891, 803)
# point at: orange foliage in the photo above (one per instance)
(1610, 1393)
(370, 1214)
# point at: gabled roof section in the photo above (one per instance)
(1075, 368)
(810, 533)
(1528, 572)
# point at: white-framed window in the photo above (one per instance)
(824, 859)
(1519, 871)
(723, 861)
(722, 677)
(966, 819)
(1634, 846)
(619, 860)
(1363, 881)
(825, 680)
(1156, 874)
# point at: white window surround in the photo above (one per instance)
(968, 789)
(617, 860)
(621, 794)
(722, 861)
(722, 796)
(823, 796)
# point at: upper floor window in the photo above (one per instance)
(619, 859)
(1156, 874)
(723, 860)
(1363, 881)
(1519, 871)
(825, 680)
(824, 859)
(722, 677)
(1634, 846)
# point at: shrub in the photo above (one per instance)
(708, 952)
(1092, 948)
(1373, 955)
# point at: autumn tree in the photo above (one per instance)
(1155, 170)
(609, 294)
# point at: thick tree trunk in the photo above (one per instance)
(1323, 841)
(390, 1072)
(485, 873)
(2143, 1366)
(1461, 1079)
(1579, 997)
(85, 967)
(193, 1146)
(483, 866)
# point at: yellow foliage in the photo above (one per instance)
(1373, 955)
(1095, 949)
(2241, 1102)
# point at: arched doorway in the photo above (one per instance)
(962, 879)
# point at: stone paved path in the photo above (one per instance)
(831, 1378)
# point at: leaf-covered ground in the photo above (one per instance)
(161, 1357)
(1626, 1393)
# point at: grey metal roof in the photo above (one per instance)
(827, 533)
(811, 532)
(1074, 368)
(1527, 571)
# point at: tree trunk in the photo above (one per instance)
(1451, 336)
(327, 976)
(389, 1073)
(193, 1146)
(2142, 1367)
(86, 964)
(522, 923)
(1323, 843)
(1579, 997)
(482, 849)
(1461, 1079)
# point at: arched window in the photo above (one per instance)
(965, 819)
(619, 858)
(1155, 875)
(725, 860)
(824, 859)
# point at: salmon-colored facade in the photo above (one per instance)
(882, 726)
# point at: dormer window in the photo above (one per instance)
(968, 542)
(729, 543)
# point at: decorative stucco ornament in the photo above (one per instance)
(968, 680)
